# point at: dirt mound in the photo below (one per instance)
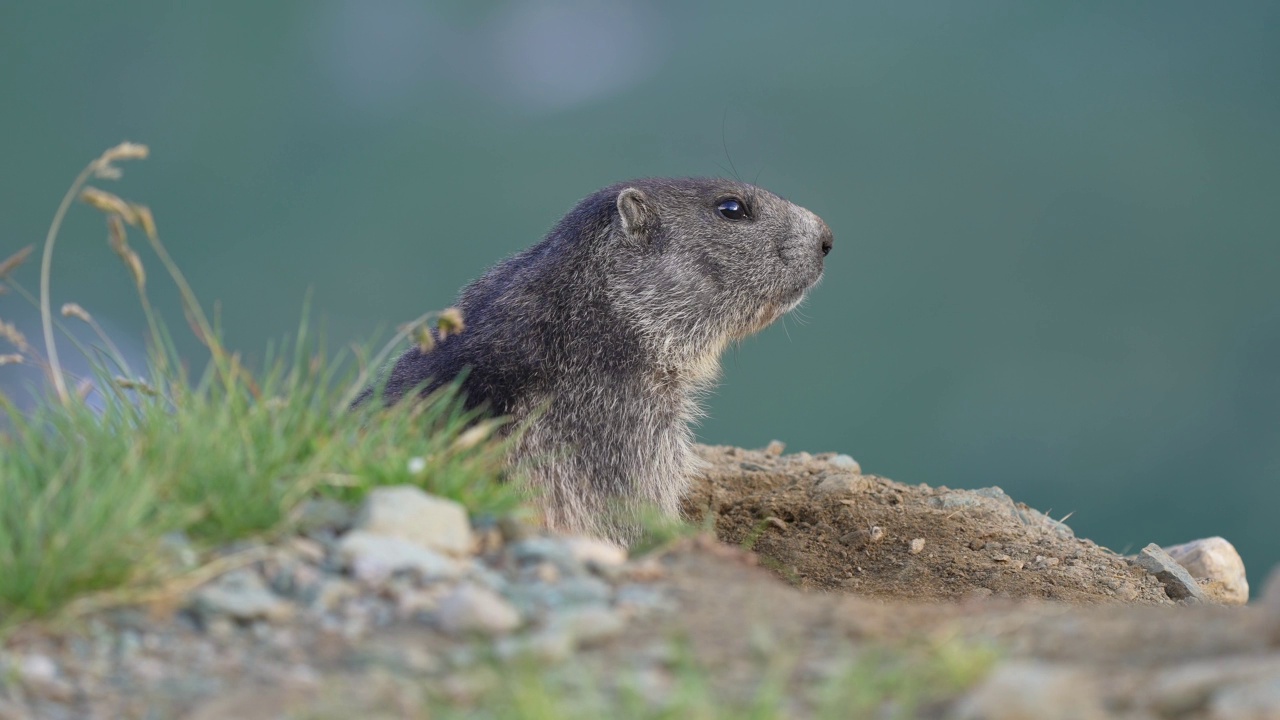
(820, 524)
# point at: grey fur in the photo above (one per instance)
(614, 324)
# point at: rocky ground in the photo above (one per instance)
(404, 605)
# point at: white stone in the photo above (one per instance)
(473, 609)
(406, 512)
(373, 558)
(1216, 560)
(844, 462)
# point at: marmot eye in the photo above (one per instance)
(732, 209)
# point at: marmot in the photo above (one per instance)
(610, 331)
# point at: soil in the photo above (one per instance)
(821, 526)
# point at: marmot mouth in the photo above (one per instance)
(771, 311)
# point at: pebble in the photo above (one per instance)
(1032, 689)
(1184, 689)
(1178, 583)
(373, 558)
(242, 594)
(845, 462)
(535, 550)
(842, 482)
(1216, 560)
(473, 609)
(324, 515)
(329, 594)
(408, 513)
(775, 448)
(178, 548)
(547, 647)
(588, 625)
(12, 711)
(638, 598)
(917, 546)
(1257, 700)
(39, 675)
(593, 552)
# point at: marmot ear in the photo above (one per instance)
(638, 216)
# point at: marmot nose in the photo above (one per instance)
(826, 239)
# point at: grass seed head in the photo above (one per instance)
(12, 262)
(15, 337)
(77, 312)
(109, 203)
(145, 220)
(119, 242)
(11, 359)
(103, 167)
(423, 339)
(450, 322)
(138, 385)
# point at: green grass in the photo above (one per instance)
(104, 467)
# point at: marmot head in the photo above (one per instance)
(702, 262)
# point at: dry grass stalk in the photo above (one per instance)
(102, 168)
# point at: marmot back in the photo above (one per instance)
(613, 325)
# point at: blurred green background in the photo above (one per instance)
(1056, 224)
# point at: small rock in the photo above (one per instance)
(589, 624)
(635, 597)
(39, 675)
(330, 593)
(12, 711)
(324, 515)
(860, 538)
(1187, 688)
(473, 609)
(778, 523)
(306, 549)
(992, 499)
(1032, 689)
(1257, 700)
(535, 550)
(1216, 560)
(752, 467)
(543, 572)
(917, 546)
(543, 646)
(242, 595)
(374, 558)
(844, 462)
(178, 548)
(1178, 583)
(514, 530)
(840, 482)
(600, 553)
(775, 448)
(408, 513)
